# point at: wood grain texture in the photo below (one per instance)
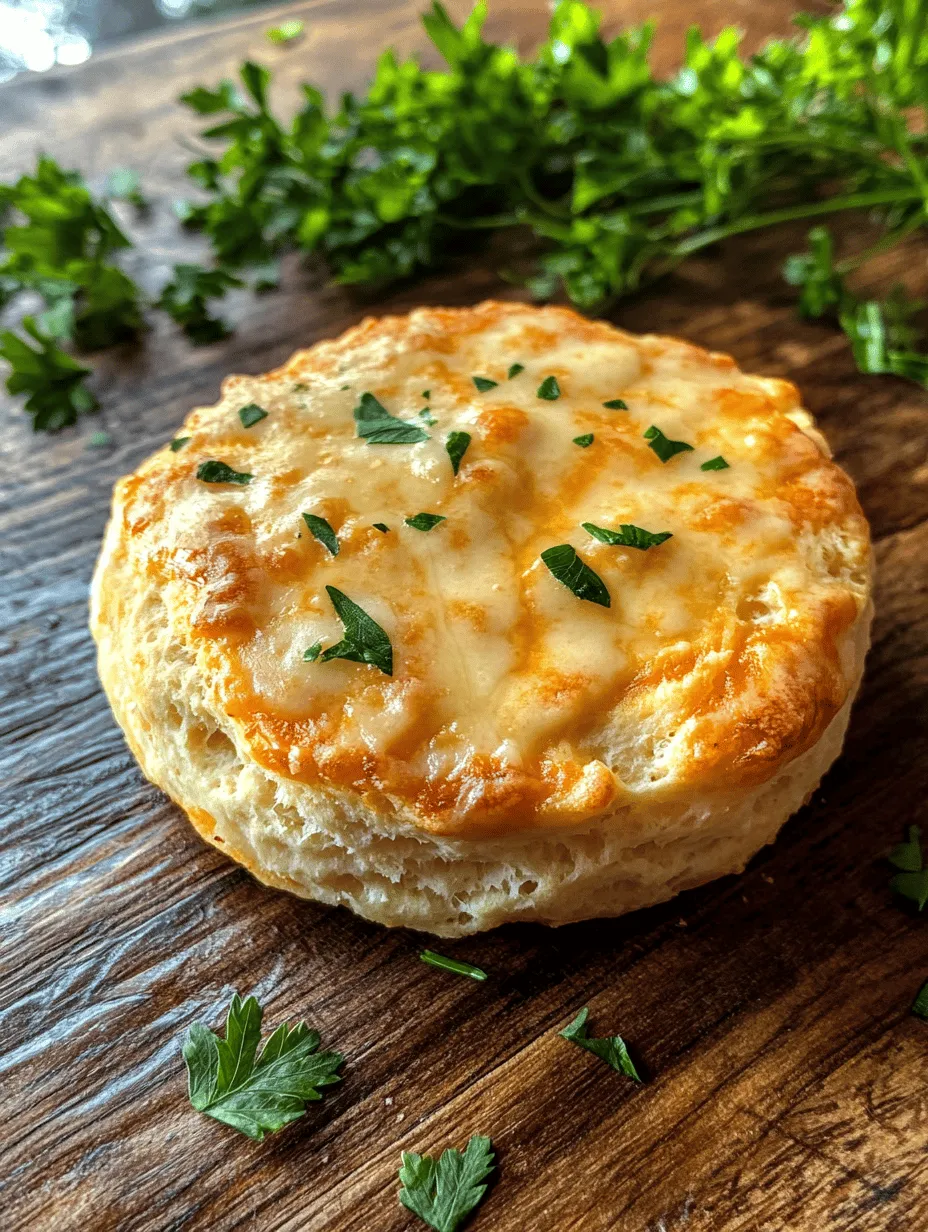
(788, 1083)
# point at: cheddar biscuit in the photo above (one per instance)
(487, 614)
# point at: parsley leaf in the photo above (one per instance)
(313, 653)
(444, 1191)
(378, 427)
(178, 443)
(663, 446)
(364, 641)
(425, 521)
(564, 564)
(627, 536)
(382, 527)
(220, 472)
(53, 380)
(186, 296)
(287, 31)
(920, 1004)
(255, 1094)
(456, 446)
(584, 441)
(514, 370)
(911, 881)
(615, 404)
(612, 1049)
(452, 964)
(484, 383)
(715, 464)
(549, 389)
(251, 414)
(322, 531)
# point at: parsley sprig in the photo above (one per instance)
(256, 1094)
(444, 1191)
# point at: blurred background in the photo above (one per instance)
(37, 34)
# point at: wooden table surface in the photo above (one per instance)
(788, 1083)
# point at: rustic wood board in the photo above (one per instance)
(788, 1082)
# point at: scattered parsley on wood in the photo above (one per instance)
(911, 882)
(256, 1094)
(425, 521)
(483, 383)
(364, 641)
(920, 1004)
(663, 446)
(584, 441)
(715, 464)
(456, 446)
(573, 572)
(320, 529)
(452, 964)
(219, 472)
(187, 296)
(251, 414)
(377, 426)
(612, 1049)
(443, 1192)
(627, 536)
(549, 390)
(287, 31)
(52, 380)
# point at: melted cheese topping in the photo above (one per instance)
(513, 704)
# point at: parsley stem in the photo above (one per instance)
(451, 964)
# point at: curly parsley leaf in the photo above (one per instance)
(627, 536)
(320, 529)
(378, 427)
(443, 1192)
(186, 298)
(612, 1049)
(564, 564)
(911, 881)
(256, 1094)
(364, 641)
(251, 414)
(425, 521)
(663, 446)
(456, 447)
(220, 472)
(51, 379)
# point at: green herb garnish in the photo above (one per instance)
(615, 404)
(364, 641)
(426, 393)
(564, 563)
(514, 370)
(549, 389)
(911, 881)
(920, 1004)
(186, 298)
(321, 530)
(715, 464)
(627, 536)
(287, 31)
(484, 383)
(663, 446)
(444, 1191)
(219, 472)
(424, 521)
(612, 1050)
(456, 445)
(256, 1095)
(452, 964)
(426, 415)
(53, 380)
(251, 414)
(382, 527)
(178, 443)
(584, 441)
(313, 653)
(378, 427)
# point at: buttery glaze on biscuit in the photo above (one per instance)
(515, 709)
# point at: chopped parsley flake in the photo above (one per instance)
(484, 383)
(715, 464)
(251, 414)
(452, 964)
(616, 404)
(219, 472)
(424, 521)
(378, 427)
(549, 389)
(426, 415)
(456, 445)
(584, 441)
(627, 536)
(313, 653)
(426, 393)
(322, 531)
(663, 446)
(382, 527)
(364, 641)
(514, 370)
(564, 564)
(178, 443)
